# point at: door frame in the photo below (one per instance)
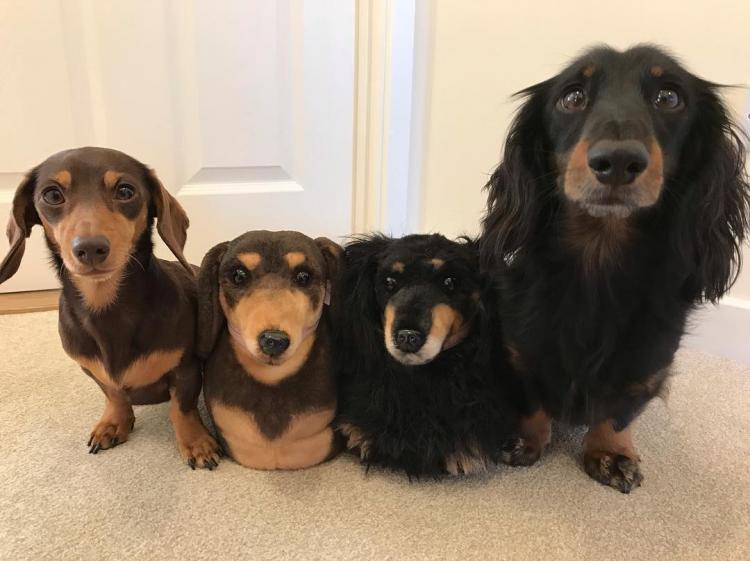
(393, 46)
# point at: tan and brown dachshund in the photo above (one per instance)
(264, 328)
(126, 317)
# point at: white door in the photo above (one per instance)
(245, 108)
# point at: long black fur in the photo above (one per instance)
(597, 343)
(413, 417)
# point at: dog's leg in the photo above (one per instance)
(536, 431)
(116, 422)
(610, 458)
(197, 447)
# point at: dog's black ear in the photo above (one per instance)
(23, 217)
(360, 320)
(171, 220)
(333, 254)
(716, 206)
(210, 315)
(517, 187)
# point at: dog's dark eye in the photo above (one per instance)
(302, 278)
(124, 192)
(449, 283)
(238, 275)
(53, 196)
(573, 100)
(668, 100)
(390, 284)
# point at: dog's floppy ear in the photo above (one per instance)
(715, 212)
(517, 187)
(360, 320)
(333, 254)
(171, 221)
(23, 217)
(210, 315)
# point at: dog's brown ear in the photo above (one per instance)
(333, 254)
(23, 217)
(171, 220)
(210, 315)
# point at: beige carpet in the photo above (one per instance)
(139, 502)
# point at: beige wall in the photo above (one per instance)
(484, 50)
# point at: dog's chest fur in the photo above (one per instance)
(131, 345)
(274, 409)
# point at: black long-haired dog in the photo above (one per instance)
(420, 389)
(621, 203)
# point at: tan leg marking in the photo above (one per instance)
(536, 432)
(115, 425)
(196, 446)
(467, 462)
(305, 443)
(610, 457)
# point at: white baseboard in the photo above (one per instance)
(722, 330)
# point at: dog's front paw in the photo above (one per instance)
(520, 452)
(109, 432)
(616, 470)
(356, 440)
(201, 451)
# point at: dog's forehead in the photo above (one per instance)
(90, 163)
(605, 62)
(276, 249)
(419, 253)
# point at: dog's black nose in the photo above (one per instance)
(273, 342)
(409, 340)
(617, 162)
(92, 250)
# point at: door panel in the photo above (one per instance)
(244, 108)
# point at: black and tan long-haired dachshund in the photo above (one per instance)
(126, 317)
(420, 389)
(620, 204)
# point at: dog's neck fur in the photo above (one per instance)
(598, 241)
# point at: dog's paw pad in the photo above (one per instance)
(202, 452)
(520, 452)
(616, 470)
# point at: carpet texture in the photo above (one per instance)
(139, 501)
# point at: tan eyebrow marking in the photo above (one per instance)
(111, 178)
(398, 267)
(63, 178)
(295, 258)
(250, 260)
(588, 71)
(437, 262)
(657, 71)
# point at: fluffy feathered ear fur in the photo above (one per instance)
(360, 323)
(518, 185)
(713, 217)
(210, 315)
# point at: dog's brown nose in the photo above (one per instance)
(273, 342)
(92, 250)
(617, 162)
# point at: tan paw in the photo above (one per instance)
(109, 432)
(201, 451)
